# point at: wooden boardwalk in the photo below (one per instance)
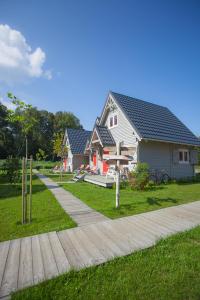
(78, 211)
(30, 260)
(100, 180)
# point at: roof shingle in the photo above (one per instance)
(77, 139)
(155, 122)
(105, 135)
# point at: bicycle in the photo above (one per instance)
(159, 176)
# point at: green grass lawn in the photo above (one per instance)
(47, 214)
(134, 202)
(168, 271)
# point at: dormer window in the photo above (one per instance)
(113, 122)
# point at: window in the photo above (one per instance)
(183, 156)
(113, 121)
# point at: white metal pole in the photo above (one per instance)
(118, 178)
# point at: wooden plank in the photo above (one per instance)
(98, 240)
(185, 215)
(25, 267)
(71, 253)
(125, 230)
(38, 267)
(50, 267)
(79, 246)
(59, 254)
(10, 277)
(176, 223)
(157, 231)
(191, 215)
(138, 231)
(111, 232)
(4, 248)
(106, 241)
(178, 218)
(90, 247)
(158, 219)
(158, 228)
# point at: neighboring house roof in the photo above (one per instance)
(105, 135)
(77, 139)
(154, 122)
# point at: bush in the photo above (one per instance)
(139, 178)
(123, 184)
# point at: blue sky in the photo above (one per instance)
(145, 49)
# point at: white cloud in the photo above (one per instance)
(18, 62)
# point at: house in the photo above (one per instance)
(147, 132)
(75, 140)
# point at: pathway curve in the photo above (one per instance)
(78, 211)
(30, 260)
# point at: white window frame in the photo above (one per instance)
(112, 116)
(183, 153)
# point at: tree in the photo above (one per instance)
(64, 120)
(38, 126)
(59, 149)
(23, 116)
(6, 136)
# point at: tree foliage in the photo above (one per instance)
(59, 149)
(40, 126)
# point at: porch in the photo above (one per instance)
(100, 180)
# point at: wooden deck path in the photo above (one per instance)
(78, 211)
(30, 260)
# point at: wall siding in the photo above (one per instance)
(78, 160)
(70, 161)
(122, 132)
(160, 156)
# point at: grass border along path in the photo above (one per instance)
(168, 271)
(47, 214)
(133, 202)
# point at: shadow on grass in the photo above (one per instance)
(188, 183)
(11, 191)
(154, 188)
(159, 201)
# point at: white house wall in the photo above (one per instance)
(123, 131)
(160, 156)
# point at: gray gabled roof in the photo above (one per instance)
(105, 135)
(154, 122)
(77, 139)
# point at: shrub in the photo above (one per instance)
(40, 155)
(139, 178)
(123, 184)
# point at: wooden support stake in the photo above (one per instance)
(26, 191)
(23, 189)
(30, 190)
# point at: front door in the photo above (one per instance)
(105, 165)
(94, 160)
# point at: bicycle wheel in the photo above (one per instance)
(165, 178)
